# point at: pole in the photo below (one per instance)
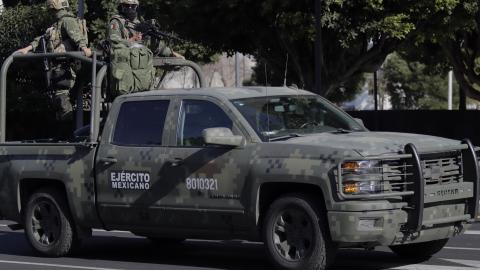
(1, 7)
(463, 100)
(375, 89)
(79, 102)
(81, 9)
(450, 90)
(237, 69)
(318, 47)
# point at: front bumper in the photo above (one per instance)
(387, 227)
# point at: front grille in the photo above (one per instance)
(443, 169)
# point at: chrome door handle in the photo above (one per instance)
(175, 162)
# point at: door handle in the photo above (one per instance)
(108, 160)
(175, 162)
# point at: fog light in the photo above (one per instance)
(372, 224)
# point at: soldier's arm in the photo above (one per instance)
(35, 43)
(71, 27)
(115, 35)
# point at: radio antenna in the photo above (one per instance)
(286, 72)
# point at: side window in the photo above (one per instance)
(197, 115)
(141, 123)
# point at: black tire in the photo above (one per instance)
(48, 223)
(295, 234)
(419, 251)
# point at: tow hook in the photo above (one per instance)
(458, 229)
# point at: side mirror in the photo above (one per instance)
(222, 136)
(360, 121)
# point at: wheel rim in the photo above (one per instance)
(293, 234)
(45, 223)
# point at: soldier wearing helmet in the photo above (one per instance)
(126, 42)
(122, 28)
(66, 34)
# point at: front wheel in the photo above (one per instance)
(48, 223)
(295, 234)
(419, 251)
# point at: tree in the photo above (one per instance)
(414, 85)
(357, 35)
(452, 43)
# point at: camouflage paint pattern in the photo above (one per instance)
(224, 202)
(68, 164)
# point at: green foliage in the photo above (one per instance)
(357, 35)
(412, 85)
(452, 43)
(97, 15)
(19, 25)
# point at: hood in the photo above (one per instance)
(373, 143)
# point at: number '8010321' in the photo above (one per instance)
(201, 184)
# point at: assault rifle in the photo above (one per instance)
(152, 29)
(46, 63)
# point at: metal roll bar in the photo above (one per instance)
(97, 80)
(32, 56)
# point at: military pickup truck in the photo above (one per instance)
(278, 165)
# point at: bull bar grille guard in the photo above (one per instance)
(414, 182)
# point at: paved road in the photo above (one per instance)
(117, 250)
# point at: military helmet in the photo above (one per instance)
(128, 2)
(57, 4)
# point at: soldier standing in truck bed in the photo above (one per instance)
(67, 34)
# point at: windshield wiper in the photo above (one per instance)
(286, 137)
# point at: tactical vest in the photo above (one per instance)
(56, 43)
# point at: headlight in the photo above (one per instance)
(362, 177)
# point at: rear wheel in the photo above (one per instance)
(419, 251)
(295, 234)
(48, 223)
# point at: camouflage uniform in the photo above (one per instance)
(121, 30)
(127, 77)
(63, 36)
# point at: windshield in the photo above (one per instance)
(292, 116)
